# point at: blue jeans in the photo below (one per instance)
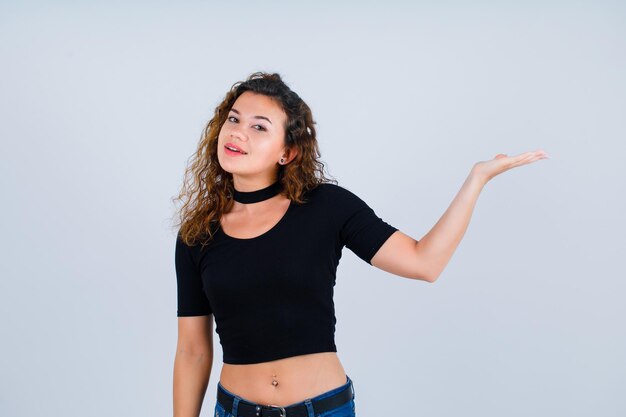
(345, 410)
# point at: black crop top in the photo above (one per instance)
(272, 295)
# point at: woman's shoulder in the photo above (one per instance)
(335, 195)
(329, 188)
(200, 240)
(325, 191)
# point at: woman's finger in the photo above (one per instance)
(528, 157)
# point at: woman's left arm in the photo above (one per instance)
(426, 259)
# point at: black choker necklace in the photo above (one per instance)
(248, 197)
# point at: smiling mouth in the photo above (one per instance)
(235, 150)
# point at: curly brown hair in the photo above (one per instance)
(207, 189)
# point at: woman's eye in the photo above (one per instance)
(260, 127)
(232, 117)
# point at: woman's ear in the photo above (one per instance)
(288, 155)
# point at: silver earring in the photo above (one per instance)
(282, 160)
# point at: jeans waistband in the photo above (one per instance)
(323, 400)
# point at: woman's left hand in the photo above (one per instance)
(489, 169)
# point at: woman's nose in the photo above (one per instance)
(235, 133)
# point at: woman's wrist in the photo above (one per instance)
(477, 177)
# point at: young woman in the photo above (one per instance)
(261, 234)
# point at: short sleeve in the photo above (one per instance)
(192, 300)
(362, 231)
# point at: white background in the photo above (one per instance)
(101, 105)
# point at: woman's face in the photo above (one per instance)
(255, 125)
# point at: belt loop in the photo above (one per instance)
(309, 408)
(352, 388)
(235, 405)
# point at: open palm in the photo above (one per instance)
(502, 162)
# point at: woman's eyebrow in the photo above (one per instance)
(256, 117)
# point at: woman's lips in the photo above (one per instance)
(232, 153)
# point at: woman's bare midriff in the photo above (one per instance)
(284, 381)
